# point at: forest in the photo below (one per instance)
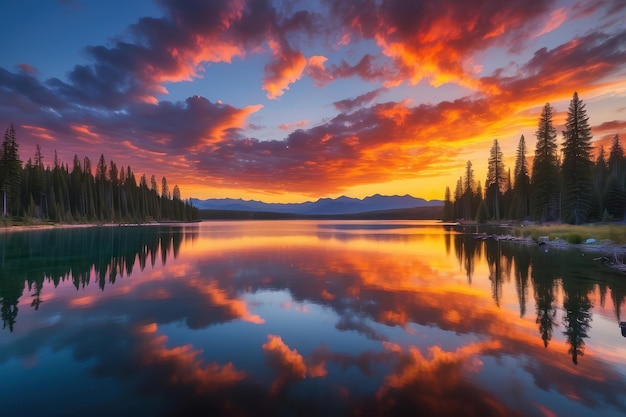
(34, 192)
(577, 185)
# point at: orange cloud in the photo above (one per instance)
(85, 134)
(285, 70)
(40, 132)
(236, 120)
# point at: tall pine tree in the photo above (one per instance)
(577, 164)
(468, 191)
(520, 206)
(599, 180)
(544, 182)
(448, 208)
(614, 190)
(496, 183)
(616, 157)
(10, 173)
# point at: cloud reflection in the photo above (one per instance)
(288, 364)
(420, 336)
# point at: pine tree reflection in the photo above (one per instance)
(418, 337)
(494, 260)
(10, 294)
(618, 296)
(467, 251)
(57, 255)
(545, 284)
(522, 266)
(577, 319)
(547, 272)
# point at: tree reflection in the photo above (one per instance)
(31, 258)
(618, 296)
(467, 251)
(10, 294)
(577, 319)
(447, 239)
(522, 266)
(389, 323)
(494, 260)
(548, 272)
(545, 283)
(546, 309)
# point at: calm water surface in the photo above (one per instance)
(298, 318)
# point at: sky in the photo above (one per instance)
(290, 101)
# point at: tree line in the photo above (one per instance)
(58, 193)
(568, 187)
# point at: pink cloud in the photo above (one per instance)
(557, 18)
(289, 126)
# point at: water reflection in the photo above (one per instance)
(79, 255)
(569, 273)
(294, 318)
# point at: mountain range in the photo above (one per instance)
(323, 206)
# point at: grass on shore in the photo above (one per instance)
(575, 234)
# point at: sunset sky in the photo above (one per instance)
(287, 101)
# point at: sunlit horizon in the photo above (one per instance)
(288, 102)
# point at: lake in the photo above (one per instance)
(305, 318)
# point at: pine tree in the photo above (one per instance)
(458, 199)
(544, 182)
(176, 193)
(448, 208)
(520, 206)
(468, 191)
(10, 173)
(153, 185)
(165, 191)
(600, 175)
(496, 183)
(616, 157)
(577, 163)
(615, 188)
(39, 180)
(477, 201)
(101, 170)
(76, 191)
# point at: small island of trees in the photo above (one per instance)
(570, 187)
(59, 193)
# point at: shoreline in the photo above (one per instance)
(592, 237)
(611, 254)
(47, 226)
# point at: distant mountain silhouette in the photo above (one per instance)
(323, 206)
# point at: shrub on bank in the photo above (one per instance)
(616, 233)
